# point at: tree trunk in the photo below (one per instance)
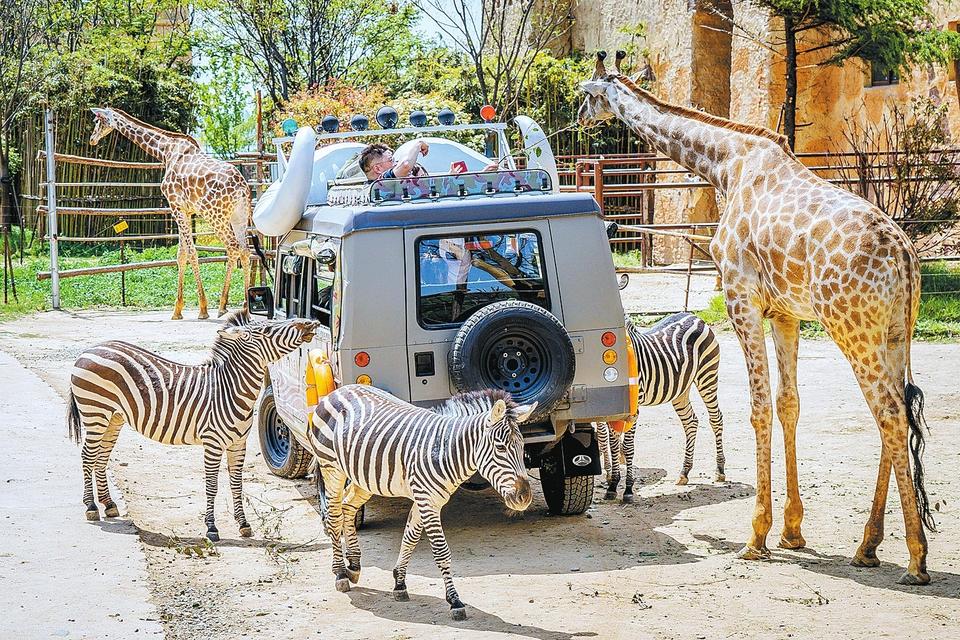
(7, 216)
(790, 100)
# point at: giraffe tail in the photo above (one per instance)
(74, 425)
(913, 396)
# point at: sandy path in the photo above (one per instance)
(664, 567)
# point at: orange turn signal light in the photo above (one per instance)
(363, 379)
(362, 359)
(609, 356)
(609, 338)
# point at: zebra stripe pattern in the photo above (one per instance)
(677, 353)
(384, 446)
(209, 404)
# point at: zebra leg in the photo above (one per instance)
(689, 420)
(107, 441)
(333, 483)
(708, 392)
(212, 455)
(603, 441)
(614, 484)
(441, 555)
(411, 536)
(628, 439)
(354, 499)
(235, 455)
(89, 456)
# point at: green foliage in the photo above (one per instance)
(227, 126)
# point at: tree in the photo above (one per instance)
(225, 123)
(895, 34)
(292, 45)
(501, 38)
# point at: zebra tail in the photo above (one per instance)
(74, 425)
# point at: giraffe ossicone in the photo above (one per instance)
(790, 246)
(193, 184)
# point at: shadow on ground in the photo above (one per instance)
(156, 539)
(942, 584)
(423, 609)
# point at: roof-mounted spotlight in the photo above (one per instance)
(289, 127)
(446, 117)
(418, 118)
(387, 117)
(330, 124)
(488, 113)
(359, 122)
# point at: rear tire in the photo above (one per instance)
(566, 495)
(285, 457)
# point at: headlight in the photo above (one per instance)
(610, 374)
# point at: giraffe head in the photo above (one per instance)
(104, 121)
(596, 105)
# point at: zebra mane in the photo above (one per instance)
(471, 403)
(237, 319)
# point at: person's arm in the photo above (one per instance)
(405, 165)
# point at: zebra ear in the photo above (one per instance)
(497, 412)
(524, 411)
(232, 333)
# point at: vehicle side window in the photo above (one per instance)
(458, 275)
(321, 305)
(294, 278)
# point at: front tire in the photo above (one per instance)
(566, 495)
(285, 457)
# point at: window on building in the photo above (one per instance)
(882, 76)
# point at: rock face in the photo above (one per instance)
(695, 64)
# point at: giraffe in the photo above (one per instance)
(194, 184)
(790, 246)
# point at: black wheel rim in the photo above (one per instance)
(276, 439)
(517, 362)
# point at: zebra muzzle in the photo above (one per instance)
(520, 497)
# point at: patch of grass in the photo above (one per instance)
(146, 289)
(627, 259)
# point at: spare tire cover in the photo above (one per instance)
(518, 347)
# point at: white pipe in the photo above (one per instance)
(52, 212)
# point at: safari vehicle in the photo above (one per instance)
(443, 283)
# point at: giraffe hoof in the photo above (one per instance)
(401, 595)
(343, 585)
(203, 315)
(749, 553)
(93, 515)
(787, 542)
(111, 511)
(177, 316)
(682, 481)
(866, 561)
(458, 613)
(221, 313)
(213, 535)
(246, 531)
(914, 580)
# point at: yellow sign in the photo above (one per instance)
(121, 226)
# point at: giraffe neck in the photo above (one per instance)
(154, 141)
(710, 151)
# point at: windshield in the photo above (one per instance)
(460, 274)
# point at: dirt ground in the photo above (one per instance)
(663, 567)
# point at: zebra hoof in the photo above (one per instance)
(458, 613)
(628, 498)
(245, 531)
(93, 515)
(721, 477)
(353, 575)
(111, 511)
(682, 481)
(611, 494)
(343, 585)
(401, 595)
(213, 535)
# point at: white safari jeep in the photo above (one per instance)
(434, 285)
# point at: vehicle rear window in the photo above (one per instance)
(457, 275)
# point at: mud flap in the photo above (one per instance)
(577, 454)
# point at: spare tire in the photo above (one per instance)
(518, 347)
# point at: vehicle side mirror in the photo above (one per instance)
(260, 301)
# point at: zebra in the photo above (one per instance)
(387, 447)
(673, 355)
(210, 404)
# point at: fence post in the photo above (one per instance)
(598, 184)
(52, 210)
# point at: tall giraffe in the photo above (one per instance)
(194, 184)
(790, 246)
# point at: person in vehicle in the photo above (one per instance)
(377, 161)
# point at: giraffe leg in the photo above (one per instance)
(441, 555)
(749, 326)
(212, 455)
(334, 481)
(866, 555)
(354, 498)
(235, 456)
(181, 269)
(786, 338)
(689, 421)
(411, 536)
(107, 442)
(247, 273)
(628, 440)
(233, 252)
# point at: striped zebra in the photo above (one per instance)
(387, 447)
(209, 404)
(675, 354)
